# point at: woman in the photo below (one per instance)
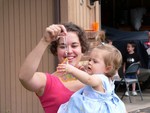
(53, 90)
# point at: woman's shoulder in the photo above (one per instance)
(45, 80)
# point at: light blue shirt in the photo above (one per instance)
(88, 100)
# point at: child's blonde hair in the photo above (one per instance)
(112, 58)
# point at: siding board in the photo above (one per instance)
(2, 59)
(33, 24)
(50, 11)
(7, 55)
(22, 92)
(12, 56)
(80, 13)
(21, 25)
(44, 25)
(18, 55)
(28, 46)
(33, 44)
(39, 24)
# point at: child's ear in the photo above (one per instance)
(108, 68)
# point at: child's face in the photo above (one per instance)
(130, 48)
(96, 62)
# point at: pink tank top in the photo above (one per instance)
(55, 94)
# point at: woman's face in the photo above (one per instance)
(72, 46)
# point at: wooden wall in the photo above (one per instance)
(22, 23)
(80, 12)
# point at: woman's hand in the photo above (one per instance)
(53, 31)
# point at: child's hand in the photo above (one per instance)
(64, 68)
(61, 68)
(66, 71)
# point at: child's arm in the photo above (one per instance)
(84, 77)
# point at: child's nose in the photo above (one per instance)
(89, 62)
